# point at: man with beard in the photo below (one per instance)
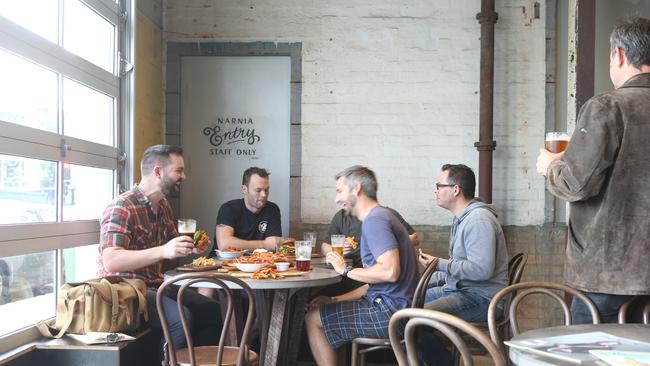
(389, 270)
(138, 233)
(251, 222)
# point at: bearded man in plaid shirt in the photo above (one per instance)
(138, 233)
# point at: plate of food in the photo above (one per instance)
(200, 264)
(229, 253)
(248, 267)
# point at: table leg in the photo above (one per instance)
(274, 332)
(296, 327)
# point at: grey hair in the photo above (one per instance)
(358, 174)
(158, 155)
(632, 35)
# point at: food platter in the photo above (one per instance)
(191, 268)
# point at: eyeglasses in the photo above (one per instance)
(443, 185)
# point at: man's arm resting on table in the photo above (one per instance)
(387, 269)
(226, 239)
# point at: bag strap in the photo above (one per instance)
(115, 303)
(142, 300)
(48, 331)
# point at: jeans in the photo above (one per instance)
(465, 305)
(606, 304)
(202, 313)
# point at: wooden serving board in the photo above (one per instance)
(190, 268)
(290, 273)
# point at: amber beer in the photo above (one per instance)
(557, 142)
(303, 264)
(303, 255)
(338, 242)
(338, 250)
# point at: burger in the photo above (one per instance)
(201, 240)
(287, 246)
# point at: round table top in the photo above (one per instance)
(320, 275)
(637, 332)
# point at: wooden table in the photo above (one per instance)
(638, 332)
(273, 297)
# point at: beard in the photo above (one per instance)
(349, 205)
(169, 187)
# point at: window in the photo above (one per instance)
(64, 124)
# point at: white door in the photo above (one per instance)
(235, 113)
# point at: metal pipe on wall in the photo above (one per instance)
(487, 18)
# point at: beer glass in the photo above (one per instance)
(557, 142)
(310, 236)
(303, 255)
(338, 242)
(187, 227)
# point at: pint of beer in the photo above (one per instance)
(557, 141)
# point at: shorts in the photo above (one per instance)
(346, 320)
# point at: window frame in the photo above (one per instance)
(28, 142)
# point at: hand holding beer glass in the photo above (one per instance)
(338, 242)
(557, 142)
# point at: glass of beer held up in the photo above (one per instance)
(557, 142)
(338, 242)
(187, 227)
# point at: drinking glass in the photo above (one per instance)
(303, 255)
(310, 236)
(187, 227)
(557, 141)
(338, 242)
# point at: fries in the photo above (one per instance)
(231, 250)
(203, 262)
(265, 273)
(257, 258)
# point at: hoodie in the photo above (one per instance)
(478, 257)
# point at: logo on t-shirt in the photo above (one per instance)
(262, 226)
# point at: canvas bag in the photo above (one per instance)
(111, 304)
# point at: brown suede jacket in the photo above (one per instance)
(605, 175)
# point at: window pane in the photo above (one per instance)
(39, 16)
(88, 114)
(27, 190)
(86, 191)
(28, 95)
(88, 35)
(26, 290)
(80, 263)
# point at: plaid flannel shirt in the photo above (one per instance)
(129, 222)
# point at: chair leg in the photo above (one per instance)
(355, 348)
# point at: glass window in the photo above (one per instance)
(27, 190)
(89, 35)
(86, 191)
(80, 263)
(87, 113)
(26, 290)
(39, 16)
(28, 95)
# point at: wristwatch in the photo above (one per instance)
(346, 270)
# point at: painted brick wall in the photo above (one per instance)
(394, 85)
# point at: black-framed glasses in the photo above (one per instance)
(443, 185)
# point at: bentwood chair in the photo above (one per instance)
(622, 312)
(522, 290)
(445, 323)
(375, 344)
(207, 355)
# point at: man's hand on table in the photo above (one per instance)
(336, 261)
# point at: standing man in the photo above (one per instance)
(604, 174)
(251, 222)
(138, 232)
(477, 268)
(389, 270)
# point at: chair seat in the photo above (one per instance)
(207, 355)
(372, 341)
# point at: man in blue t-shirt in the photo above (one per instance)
(251, 222)
(389, 271)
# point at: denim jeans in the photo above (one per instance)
(467, 306)
(606, 304)
(203, 315)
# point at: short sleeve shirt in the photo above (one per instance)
(130, 222)
(381, 232)
(348, 225)
(248, 225)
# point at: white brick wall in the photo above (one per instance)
(394, 85)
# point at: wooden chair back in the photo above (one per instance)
(219, 281)
(448, 325)
(525, 289)
(622, 312)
